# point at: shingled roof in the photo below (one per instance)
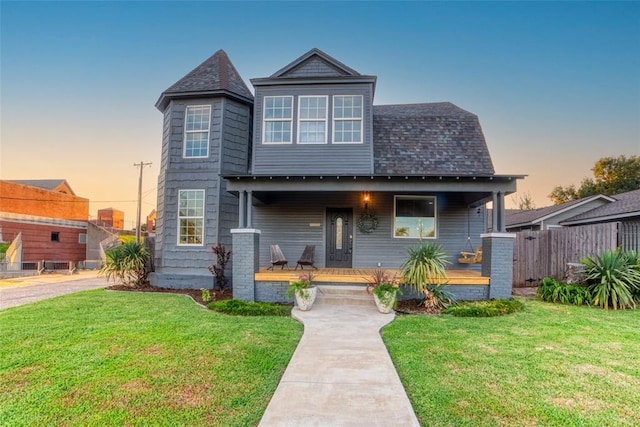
(46, 184)
(625, 205)
(429, 139)
(216, 75)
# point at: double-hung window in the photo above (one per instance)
(278, 115)
(312, 120)
(196, 131)
(414, 217)
(347, 119)
(190, 217)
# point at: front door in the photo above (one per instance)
(339, 237)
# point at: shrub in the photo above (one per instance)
(243, 308)
(613, 279)
(492, 308)
(424, 270)
(551, 290)
(222, 259)
(126, 264)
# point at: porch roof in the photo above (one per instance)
(479, 187)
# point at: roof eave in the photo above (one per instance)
(166, 97)
(602, 218)
(274, 81)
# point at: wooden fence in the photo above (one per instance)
(540, 254)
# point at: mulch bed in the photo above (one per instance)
(410, 306)
(196, 294)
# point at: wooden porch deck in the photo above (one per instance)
(360, 275)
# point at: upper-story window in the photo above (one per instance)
(312, 120)
(278, 115)
(190, 217)
(196, 131)
(347, 119)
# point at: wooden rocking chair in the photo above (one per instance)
(471, 257)
(307, 257)
(277, 257)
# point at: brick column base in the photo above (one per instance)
(497, 263)
(246, 262)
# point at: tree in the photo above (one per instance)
(524, 202)
(611, 175)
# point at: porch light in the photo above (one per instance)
(365, 199)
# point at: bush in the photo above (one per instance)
(243, 308)
(613, 279)
(551, 290)
(491, 308)
(126, 264)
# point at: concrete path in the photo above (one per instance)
(25, 290)
(340, 374)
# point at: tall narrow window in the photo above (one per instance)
(312, 120)
(278, 115)
(414, 217)
(196, 131)
(347, 119)
(190, 217)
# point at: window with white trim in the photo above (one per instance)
(347, 119)
(196, 131)
(82, 238)
(190, 217)
(414, 217)
(278, 117)
(312, 120)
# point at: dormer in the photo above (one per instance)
(314, 116)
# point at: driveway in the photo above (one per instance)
(25, 290)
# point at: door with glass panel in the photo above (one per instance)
(339, 238)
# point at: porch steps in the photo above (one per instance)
(343, 295)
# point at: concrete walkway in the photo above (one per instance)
(25, 290)
(340, 374)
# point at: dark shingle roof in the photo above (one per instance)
(626, 204)
(45, 184)
(216, 74)
(434, 138)
(530, 216)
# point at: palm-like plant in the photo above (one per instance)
(613, 278)
(424, 269)
(126, 264)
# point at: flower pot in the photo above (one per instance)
(306, 297)
(386, 302)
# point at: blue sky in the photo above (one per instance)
(556, 84)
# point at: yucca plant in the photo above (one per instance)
(424, 269)
(612, 279)
(126, 264)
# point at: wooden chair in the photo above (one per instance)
(471, 257)
(277, 257)
(307, 257)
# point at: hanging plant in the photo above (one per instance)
(367, 222)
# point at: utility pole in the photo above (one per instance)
(141, 165)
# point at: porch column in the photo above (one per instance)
(242, 209)
(497, 263)
(246, 262)
(249, 208)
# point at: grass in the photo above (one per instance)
(491, 308)
(242, 308)
(547, 365)
(110, 358)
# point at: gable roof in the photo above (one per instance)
(57, 185)
(215, 76)
(315, 62)
(520, 218)
(431, 139)
(625, 205)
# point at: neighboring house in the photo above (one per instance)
(624, 207)
(552, 216)
(50, 218)
(311, 161)
(151, 221)
(111, 218)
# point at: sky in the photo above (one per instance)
(556, 85)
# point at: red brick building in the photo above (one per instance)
(51, 218)
(110, 217)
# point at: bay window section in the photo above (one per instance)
(347, 119)
(196, 131)
(414, 217)
(278, 116)
(312, 120)
(190, 217)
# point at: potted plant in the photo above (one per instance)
(304, 291)
(385, 291)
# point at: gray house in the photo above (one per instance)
(309, 160)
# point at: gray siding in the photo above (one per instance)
(290, 222)
(314, 68)
(314, 158)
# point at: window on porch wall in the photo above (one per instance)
(414, 217)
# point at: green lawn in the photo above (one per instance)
(548, 365)
(110, 358)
